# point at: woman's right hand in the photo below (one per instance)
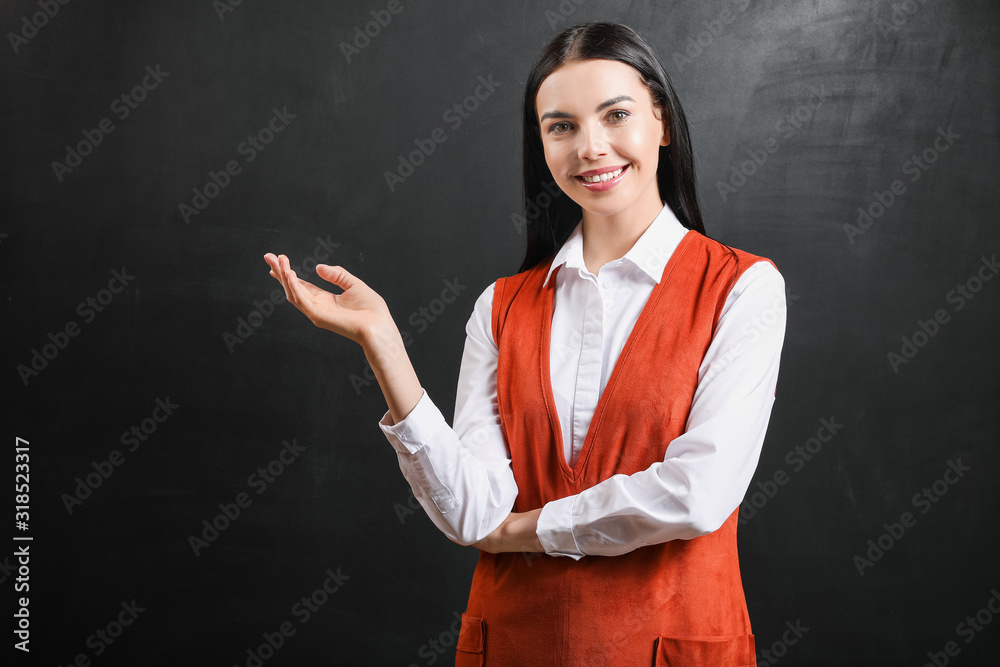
(358, 313)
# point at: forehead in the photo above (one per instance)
(580, 86)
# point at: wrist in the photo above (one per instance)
(386, 354)
(521, 531)
(382, 344)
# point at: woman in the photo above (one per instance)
(613, 395)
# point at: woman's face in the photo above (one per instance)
(597, 117)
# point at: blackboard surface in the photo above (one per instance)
(205, 465)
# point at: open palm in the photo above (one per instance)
(356, 313)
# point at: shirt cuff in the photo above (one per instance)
(415, 430)
(555, 529)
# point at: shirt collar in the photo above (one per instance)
(650, 253)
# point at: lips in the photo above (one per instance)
(606, 173)
(606, 182)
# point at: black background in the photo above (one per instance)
(892, 76)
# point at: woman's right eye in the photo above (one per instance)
(553, 128)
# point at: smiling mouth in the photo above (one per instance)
(606, 176)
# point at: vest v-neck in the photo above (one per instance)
(574, 472)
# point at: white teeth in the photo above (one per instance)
(606, 176)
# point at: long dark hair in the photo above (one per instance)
(550, 219)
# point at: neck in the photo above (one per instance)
(609, 237)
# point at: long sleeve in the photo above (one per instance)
(461, 477)
(706, 470)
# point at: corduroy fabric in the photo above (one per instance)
(678, 603)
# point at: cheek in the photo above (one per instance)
(642, 143)
(555, 158)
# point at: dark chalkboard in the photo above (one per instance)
(208, 483)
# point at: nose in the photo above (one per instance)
(593, 143)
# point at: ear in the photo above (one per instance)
(665, 139)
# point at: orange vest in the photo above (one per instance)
(678, 603)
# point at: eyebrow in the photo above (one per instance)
(600, 107)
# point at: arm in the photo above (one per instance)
(462, 479)
(360, 314)
(706, 470)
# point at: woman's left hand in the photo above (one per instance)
(515, 533)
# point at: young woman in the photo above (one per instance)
(613, 394)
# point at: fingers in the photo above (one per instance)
(337, 275)
(282, 271)
(298, 292)
(276, 271)
(291, 282)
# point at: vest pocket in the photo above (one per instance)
(471, 639)
(708, 651)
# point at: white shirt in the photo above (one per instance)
(462, 476)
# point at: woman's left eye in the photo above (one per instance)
(624, 114)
